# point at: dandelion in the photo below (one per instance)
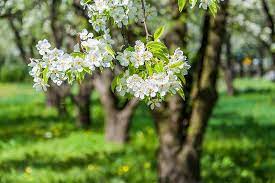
(28, 170)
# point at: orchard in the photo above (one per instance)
(170, 91)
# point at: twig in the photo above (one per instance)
(144, 20)
(79, 44)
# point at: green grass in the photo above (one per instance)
(37, 146)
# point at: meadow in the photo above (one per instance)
(37, 146)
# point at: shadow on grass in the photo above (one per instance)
(236, 125)
(253, 91)
(243, 147)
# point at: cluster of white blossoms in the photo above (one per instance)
(122, 12)
(137, 57)
(151, 86)
(149, 72)
(59, 66)
(205, 3)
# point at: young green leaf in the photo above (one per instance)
(181, 4)
(181, 93)
(78, 54)
(149, 68)
(115, 82)
(110, 50)
(45, 72)
(158, 33)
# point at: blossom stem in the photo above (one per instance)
(79, 43)
(144, 20)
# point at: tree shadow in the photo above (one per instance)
(253, 91)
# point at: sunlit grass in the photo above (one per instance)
(37, 146)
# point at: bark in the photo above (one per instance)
(271, 24)
(228, 68)
(178, 35)
(180, 138)
(83, 103)
(55, 97)
(57, 28)
(261, 64)
(118, 119)
(241, 71)
(176, 162)
(18, 40)
(79, 10)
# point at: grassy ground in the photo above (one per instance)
(36, 146)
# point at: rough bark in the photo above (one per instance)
(181, 141)
(118, 119)
(177, 162)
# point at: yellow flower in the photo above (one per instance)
(123, 169)
(147, 165)
(28, 170)
(91, 167)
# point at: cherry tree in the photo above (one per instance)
(147, 71)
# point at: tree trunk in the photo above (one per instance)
(118, 125)
(117, 121)
(180, 141)
(55, 97)
(261, 62)
(177, 161)
(83, 103)
(228, 68)
(271, 24)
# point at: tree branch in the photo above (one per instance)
(18, 40)
(268, 16)
(79, 9)
(144, 20)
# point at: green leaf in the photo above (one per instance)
(110, 50)
(70, 77)
(115, 82)
(86, 69)
(181, 77)
(149, 68)
(213, 8)
(156, 45)
(78, 54)
(159, 67)
(181, 4)
(181, 93)
(177, 64)
(193, 2)
(160, 56)
(130, 48)
(45, 72)
(158, 33)
(158, 49)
